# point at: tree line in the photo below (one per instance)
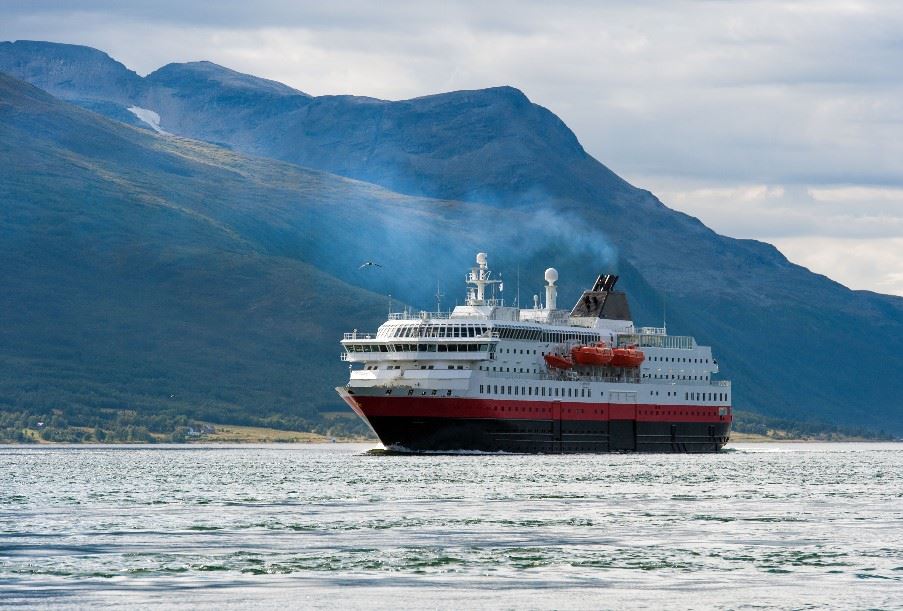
(77, 424)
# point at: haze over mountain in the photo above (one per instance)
(457, 172)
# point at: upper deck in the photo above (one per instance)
(485, 336)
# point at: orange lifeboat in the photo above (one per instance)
(593, 356)
(557, 361)
(627, 357)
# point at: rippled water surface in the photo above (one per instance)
(758, 526)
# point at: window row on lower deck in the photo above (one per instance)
(583, 392)
(674, 376)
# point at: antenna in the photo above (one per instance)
(439, 296)
(480, 278)
(390, 305)
(665, 312)
(517, 297)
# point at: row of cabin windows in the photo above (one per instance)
(516, 370)
(657, 376)
(668, 412)
(705, 396)
(440, 331)
(677, 359)
(423, 393)
(535, 391)
(540, 391)
(516, 333)
(417, 347)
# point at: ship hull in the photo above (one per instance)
(454, 425)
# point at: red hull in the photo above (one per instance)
(438, 424)
(378, 405)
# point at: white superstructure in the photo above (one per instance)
(486, 350)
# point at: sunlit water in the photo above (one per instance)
(758, 526)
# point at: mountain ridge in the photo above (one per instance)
(776, 325)
(208, 71)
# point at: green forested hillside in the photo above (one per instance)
(128, 282)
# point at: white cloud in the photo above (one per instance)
(874, 264)
(775, 119)
(853, 234)
(773, 211)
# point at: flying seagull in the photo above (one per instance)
(369, 264)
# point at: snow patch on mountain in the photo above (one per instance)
(149, 117)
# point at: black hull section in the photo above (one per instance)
(549, 437)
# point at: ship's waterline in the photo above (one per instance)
(491, 378)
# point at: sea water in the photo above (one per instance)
(791, 525)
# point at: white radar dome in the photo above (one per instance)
(551, 275)
(481, 258)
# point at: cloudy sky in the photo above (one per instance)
(767, 119)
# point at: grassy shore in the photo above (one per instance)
(223, 433)
(230, 433)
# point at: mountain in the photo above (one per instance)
(490, 169)
(130, 280)
(169, 277)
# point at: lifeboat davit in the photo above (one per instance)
(627, 357)
(593, 356)
(557, 361)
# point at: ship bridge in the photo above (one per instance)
(414, 343)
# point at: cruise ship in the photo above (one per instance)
(487, 377)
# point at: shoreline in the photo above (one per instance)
(750, 439)
(229, 434)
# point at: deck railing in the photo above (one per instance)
(643, 340)
(359, 335)
(561, 378)
(422, 316)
